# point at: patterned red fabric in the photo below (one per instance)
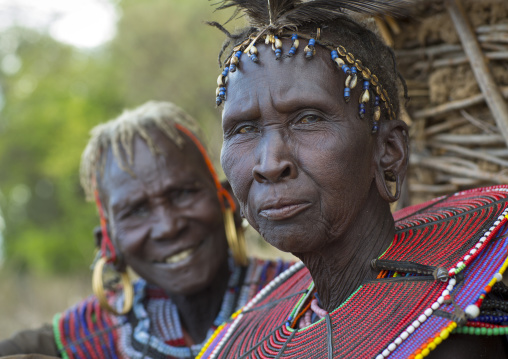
(437, 233)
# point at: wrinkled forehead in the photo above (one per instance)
(294, 79)
(168, 160)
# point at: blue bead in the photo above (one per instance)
(353, 69)
(334, 54)
(309, 54)
(312, 42)
(238, 54)
(294, 37)
(362, 111)
(225, 72)
(292, 50)
(218, 101)
(366, 84)
(222, 88)
(232, 68)
(222, 93)
(279, 51)
(345, 68)
(254, 58)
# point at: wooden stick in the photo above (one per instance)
(430, 51)
(469, 140)
(437, 164)
(384, 31)
(485, 127)
(495, 37)
(498, 152)
(468, 152)
(458, 60)
(454, 105)
(444, 126)
(491, 28)
(436, 188)
(493, 96)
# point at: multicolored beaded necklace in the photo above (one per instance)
(153, 328)
(448, 255)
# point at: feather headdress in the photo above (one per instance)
(274, 15)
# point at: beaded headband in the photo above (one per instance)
(345, 61)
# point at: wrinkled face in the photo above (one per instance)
(298, 157)
(167, 221)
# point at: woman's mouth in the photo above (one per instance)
(180, 256)
(279, 212)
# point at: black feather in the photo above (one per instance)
(277, 14)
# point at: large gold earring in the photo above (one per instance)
(236, 238)
(98, 289)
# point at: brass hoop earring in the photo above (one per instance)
(389, 196)
(98, 289)
(236, 239)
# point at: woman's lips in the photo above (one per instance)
(282, 212)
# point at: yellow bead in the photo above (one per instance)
(425, 352)
(418, 356)
(444, 334)
(296, 43)
(432, 345)
(438, 340)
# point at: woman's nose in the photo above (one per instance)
(275, 161)
(168, 224)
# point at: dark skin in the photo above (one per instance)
(166, 224)
(308, 173)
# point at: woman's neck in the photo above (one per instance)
(198, 311)
(341, 267)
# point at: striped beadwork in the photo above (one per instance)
(398, 317)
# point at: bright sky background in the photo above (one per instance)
(82, 23)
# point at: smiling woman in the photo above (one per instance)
(165, 215)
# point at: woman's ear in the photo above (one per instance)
(120, 263)
(391, 158)
(238, 213)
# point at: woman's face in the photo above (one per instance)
(298, 157)
(167, 220)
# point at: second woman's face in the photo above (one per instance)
(298, 157)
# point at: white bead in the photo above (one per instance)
(380, 356)
(428, 312)
(435, 306)
(440, 300)
(398, 341)
(416, 324)
(492, 228)
(500, 218)
(478, 245)
(466, 257)
(472, 311)
(422, 318)
(404, 335)
(496, 223)
(386, 352)
(410, 329)
(445, 293)
(449, 287)
(453, 281)
(485, 236)
(460, 264)
(498, 276)
(473, 251)
(392, 347)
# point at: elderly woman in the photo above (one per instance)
(165, 215)
(311, 137)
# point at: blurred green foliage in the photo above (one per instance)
(162, 51)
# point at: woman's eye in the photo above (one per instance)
(248, 129)
(309, 119)
(139, 211)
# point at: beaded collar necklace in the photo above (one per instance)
(464, 233)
